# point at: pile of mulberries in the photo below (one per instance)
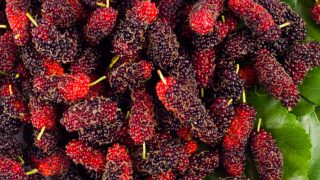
(136, 89)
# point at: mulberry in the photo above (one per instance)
(163, 154)
(274, 78)
(86, 63)
(51, 43)
(82, 154)
(10, 147)
(222, 112)
(15, 106)
(202, 164)
(43, 114)
(141, 123)
(9, 125)
(37, 64)
(169, 10)
(204, 66)
(118, 163)
(221, 29)
(267, 155)
(300, 59)
(53, 165)
(7, 52)
(102, 134)
(257, 18)
(228, 84)
(131, 75)
(47, 141)
(90, 112)
(62, 88)
(235, 141)
(188, 108)
(16, 14)
(239, 45)
(145, 11)
(62, 13)
(10, 169)
(163, 47)
(315, 13)
(100, 24)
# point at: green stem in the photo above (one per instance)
(114, 61)
(284, 25)
(229, 102)
(144, 151)
(223, 19)
(3, 26)
(32, 19)
(161, 77)
(4, 73)
(259, 125)
(237, 68)
(41, 133)
(33, 171)
(202, 92)
(21, 160)
(244, 99)
(97, 81)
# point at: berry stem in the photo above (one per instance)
(284, 25)
(21, 160)
(229, 102)
(107, 3)
(202, 92)
(161, 77)
(223, 19)
(259, 125)
(10, 89)
(4, 73)
(289, 109)
(128, 114)
(144, 151)
(244, 99)
(32, 19)
(237, 68)
(100, 4)
(41, 133)
(114, 61)
(33, 171)
(17, 76)
(97, 81)
(17, 36)
(3, 26)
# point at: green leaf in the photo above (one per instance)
(303, 107)
(303, 8)
(310, 87)
(289, 134)
(311, 124)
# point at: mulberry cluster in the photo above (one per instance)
(118, 163)
(86, 63)
(236, 138)
(274, 78)
(131, 75)
(9, 125)
(142, 123)
(169, 10)
(267, 155)
(48, 140)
